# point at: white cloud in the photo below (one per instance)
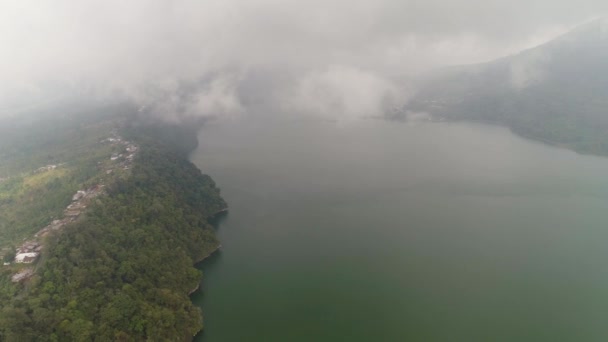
(528, 69)
(145, 47)
(344, 92)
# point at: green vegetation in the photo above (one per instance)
(31, 197)
(556, 93)
(9, 255)
(533, 113)
(122, 271)
(67, 135)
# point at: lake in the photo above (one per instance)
(370, 230)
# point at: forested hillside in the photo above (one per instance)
(124, 269)
(557, 92)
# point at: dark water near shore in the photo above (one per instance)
(377, 231)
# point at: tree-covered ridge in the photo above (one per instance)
(556, 92)
(43, 162)
(69, 133)
(124, 271)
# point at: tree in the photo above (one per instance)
(9, 256)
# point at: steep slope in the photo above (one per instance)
(556, 92)
(123, 270)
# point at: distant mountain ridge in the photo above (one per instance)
(556, 92)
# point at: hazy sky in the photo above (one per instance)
(234, 57)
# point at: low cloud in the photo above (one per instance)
(342, 92)
(528, 69)
(173, 100)
(333, 58)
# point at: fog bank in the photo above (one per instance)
(335, 59)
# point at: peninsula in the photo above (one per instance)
(107, 231)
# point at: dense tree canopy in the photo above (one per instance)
(124, 270)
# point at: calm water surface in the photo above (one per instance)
(378, 231)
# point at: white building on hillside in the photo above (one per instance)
(26, 258)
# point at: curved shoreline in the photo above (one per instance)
(198, 262)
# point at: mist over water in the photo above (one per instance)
(377, 231)
(189, 59)
(344, 227)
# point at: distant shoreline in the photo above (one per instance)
(518, 133)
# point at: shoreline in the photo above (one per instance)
(209, 220)
(523, 135)
(215, 250)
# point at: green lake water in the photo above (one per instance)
(380, 231)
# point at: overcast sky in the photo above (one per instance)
(233, 57)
